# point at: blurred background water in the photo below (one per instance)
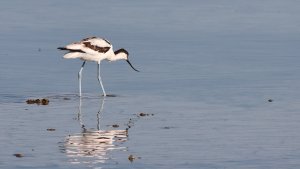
(208, 69)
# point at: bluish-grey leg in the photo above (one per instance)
(79, 77)
(100, 81)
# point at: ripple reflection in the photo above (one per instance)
(92, 146)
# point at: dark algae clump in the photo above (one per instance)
(19, 155)
(38, 101)
(142, 114)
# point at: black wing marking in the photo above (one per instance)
(94, 37)
(71, 50)
(96, 48)
(86, 39)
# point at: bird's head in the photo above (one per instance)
(123, 54)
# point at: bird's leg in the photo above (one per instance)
(79, 77)
(100, 113)
(99, 79)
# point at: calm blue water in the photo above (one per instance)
(208, 70)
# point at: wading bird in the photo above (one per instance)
(94, 49)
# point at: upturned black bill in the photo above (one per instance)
(131, 65)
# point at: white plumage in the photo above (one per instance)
(94, 49)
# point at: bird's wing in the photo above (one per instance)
(101, 42)
(91, 45)
(99, 45)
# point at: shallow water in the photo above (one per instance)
(208, 71)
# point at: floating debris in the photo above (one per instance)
(130, 123)
(19, 155)
(38, 101)
(167, 127)
(110, 95)
(115, 126)
(51, 129)
(142, 114)
(131, 158)
(31, 101)
(45, 102)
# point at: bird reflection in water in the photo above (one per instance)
(92, 146)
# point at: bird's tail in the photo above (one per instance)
(62, 48)
(71, 53)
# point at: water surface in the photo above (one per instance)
(208, 72)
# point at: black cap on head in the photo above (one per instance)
(126, 52)
(121, 51)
